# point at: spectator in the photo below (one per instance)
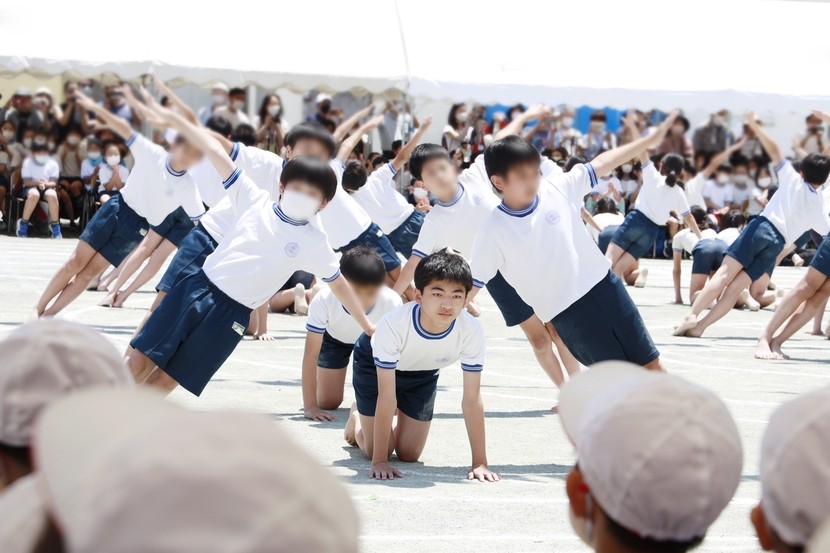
(676, 141)
(71, 114)
(743, 186)
(8, 138)
(71, 155)
(751, 147)
(760, 193)
(541, 134)
(218, 99)
(40, 180)
(419, 196)
(455, 132)
(117, 105)
(325, 114)
(234, 110)
(91, 166)
(50, 112)
(718, 192)
(21, 112)
(272, 128)
(566, 136)
(713, 137)
(112, 174)
(5, 180)
(396, 124)
(624, 134)
(598, 139)
(814, 140)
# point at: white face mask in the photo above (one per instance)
(299, 206)
(93, 156)
(219, 99)
(597, 126)
(582, 527)
(238, 105)
(722, 178)
(73, 140)
(627, 168)
(461, 116)
(27, 142)
(40, 159)
(764, 182)
(274, 110)
(40, 142)
(112, 161)
(420, 193)
(8, 135)
(568, 121)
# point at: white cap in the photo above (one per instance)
(45, 360)
(795, 467)
(661, 455)
(322, 97)
(43, 90)
(820, 543)
(128, 471)
(219, 85)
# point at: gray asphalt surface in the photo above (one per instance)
(433, 508)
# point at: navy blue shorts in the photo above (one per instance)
(514, 310)
(193, 250)
(605, 237)
(821, 261)
(405, 236)
(334, 354)
(175, 226)
(757, 248)
(299, 277)
(707, 256)
(115, 230)
(604, 325)
(193, 331)
(637, 234)
(374, 238)
(415, 390)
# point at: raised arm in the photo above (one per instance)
(350, 143)
(145, 112)
(406, 151)
(610, 160)
(343, 129)
(722, 158)
(119, 126)
(766, 140)
(518, 123)
(183, 108)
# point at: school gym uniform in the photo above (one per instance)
(609, 223)
(652, 209)
(400, 344)
(202, 319)
(152, 191)
(707, 252)
(719, 194)
(694, 190)
(105, 174)
(32, 170)
(396, 217)
(327, 316)
(175, 227)
(793, 210)
(546, 253)
(821, 261)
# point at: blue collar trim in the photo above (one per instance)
(520, 212)
(170, 169)
(416, 322)
(285, 218)
(453, 201)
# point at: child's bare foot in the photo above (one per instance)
(641, 279)
(746, 300)
(300, 303)
(473, 309)
(350, 433)
(314, 291)
(816, 332)
(33, 314)
(695, 332)
(798, 261)
(764, 351)
(685, 325)
(776, 350)
(119, 301)
(108, 300)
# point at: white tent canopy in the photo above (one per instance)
(737, 54)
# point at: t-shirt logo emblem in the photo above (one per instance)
(477, 200)
(168, 192)
(552, 217)
(292, 249)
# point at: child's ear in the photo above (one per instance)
(498, 182)
(282, 189)
(762, 529)
(417, 296)
(577, 491)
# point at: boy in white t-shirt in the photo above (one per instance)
(797, 207)
(158, 184)
(397, 369)
(39, 176)
(201, 321)
(332, 331)
(537, 241)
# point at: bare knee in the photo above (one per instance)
(51, 195)
(329, 400)
(408, 455)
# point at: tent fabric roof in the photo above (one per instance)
(735, 54)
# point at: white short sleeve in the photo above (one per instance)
(318, 315)
(143, 150)
(476, 175)
(486, 260)
(242, 192)
(86, 169)
(26, 170)
(787, 175)
(326, 263)
(52, 170)
(578, 182)
(427, 238)
(473, 351)
(681, 203)
(258, 164)
(549, 168)
(193, 206)
(387, 343)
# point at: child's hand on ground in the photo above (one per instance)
(483, 474)
(383, 471)
(317, 414)
(265, 337)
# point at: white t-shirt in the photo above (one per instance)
(797, 207)
(401, 343)
(343, 219)
(266, 169)
(729, 235)
(265, 247)
(384, 205)
(87, 167)
(105, 175)
(604, 220)
(687, 240)
(543, 251)
(602, 187)
(235, 118)
(657, 199)
(154, 189)
(755, 207)
(327, 314)
(739, 196)
(208, 182)
(455, 223)
(694, 190)
(22, 516)
(32, 170)
(628, 187)
(719, 194)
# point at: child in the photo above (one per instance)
(658, 197)
(158, 184)
(706, 251)
(396, 217)
(398, 368)
(332, 331)
(40, 180)
(201, 321)
(112, 174)
(794, 209)
(537, 241)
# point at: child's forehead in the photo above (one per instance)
(445, 285)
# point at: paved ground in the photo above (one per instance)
(432, 507)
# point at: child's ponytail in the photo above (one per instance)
(671, 168)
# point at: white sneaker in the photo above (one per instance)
(641, 279)
(300, 303)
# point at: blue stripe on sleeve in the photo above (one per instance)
(333, 277)
(478, 283)
(198, 216)
(472, 368)
(685, 213)
(315, 329)
(386, 364)
(234, 151)
(646, 165)
(592, 174)
(418, 253)
(129, 141)
(392, 168)
(227, 183)
(780, 165)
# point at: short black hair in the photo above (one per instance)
(443, 265)
(424, 153)
(310, 130)
(396, 144)
(606, 205)
(354, 175)
(40, 147)
(506, 153)
(699, 215)
(315, 172)
(244, 134)
(733, 219)
(633, 542)
(20, 455)
(219, 125)
(363, 266)
(724, 168)
(378, 161)
(235, 91)
(815, 168)
(92, 141)
(572, 162)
